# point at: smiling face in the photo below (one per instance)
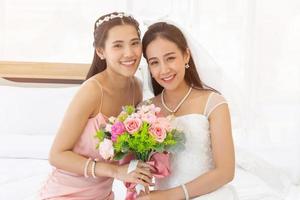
(167, 63)
(122, 50)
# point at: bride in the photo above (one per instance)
(203, 169)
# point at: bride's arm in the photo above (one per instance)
(223, 156)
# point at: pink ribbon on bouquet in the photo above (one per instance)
(160, 162)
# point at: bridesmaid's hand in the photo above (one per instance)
(140, 175)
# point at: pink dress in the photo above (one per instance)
(65, 185)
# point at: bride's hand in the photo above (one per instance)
(140, 175)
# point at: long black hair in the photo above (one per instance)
(173, 34)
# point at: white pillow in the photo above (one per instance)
(33, 110)
(25, 146)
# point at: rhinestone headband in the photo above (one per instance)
(112, 16)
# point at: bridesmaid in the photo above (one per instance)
(79, 171)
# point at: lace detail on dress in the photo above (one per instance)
(214, 100)
(197, 158)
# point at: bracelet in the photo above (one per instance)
(85, 172)
(94, 169)
(86, 167)
(186, 194)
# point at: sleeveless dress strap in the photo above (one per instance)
(102, 94)
(213, 101)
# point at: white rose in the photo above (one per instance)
(112, 119)
(106, 149)
(108, 127)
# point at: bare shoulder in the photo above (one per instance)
(88, 96)
(201, 93)
(200, 97)
(89, 90)
(197, 101)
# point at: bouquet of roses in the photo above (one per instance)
(142, 133)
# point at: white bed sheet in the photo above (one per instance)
(20, 179)
(294, 193)
(251, 187)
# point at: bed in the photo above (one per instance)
(30, 95)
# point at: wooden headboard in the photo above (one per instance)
(44, 72)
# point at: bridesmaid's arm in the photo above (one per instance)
(84, 105)
(223, 155)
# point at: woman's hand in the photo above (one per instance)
(140, 175)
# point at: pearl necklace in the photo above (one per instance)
(180, 103)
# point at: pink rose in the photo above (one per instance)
(106, 149)
(117, 129)
(145, 109)
(132, 124)
(164, 123)
(154, 109)
(158, 132)
(149, 117)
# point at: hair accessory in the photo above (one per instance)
(111, 16)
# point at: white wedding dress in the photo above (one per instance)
(196, 158)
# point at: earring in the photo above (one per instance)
(187, 66)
